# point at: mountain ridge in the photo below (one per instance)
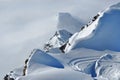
(75, 54)
(101, 31)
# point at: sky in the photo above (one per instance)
(28, 24)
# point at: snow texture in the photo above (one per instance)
(91, 54)
(102, 34)
(41, 57)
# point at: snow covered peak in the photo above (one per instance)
(67, 22)
(67, 26)
(57, 40)
(101, 34)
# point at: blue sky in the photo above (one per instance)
(27, 24)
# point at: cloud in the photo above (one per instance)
(28, 24)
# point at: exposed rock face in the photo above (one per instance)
(26, 63)
(9, 76)
(25, 67)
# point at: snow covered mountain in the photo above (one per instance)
(59, 39)
(93, 53)
(101, 34)
(67, 26)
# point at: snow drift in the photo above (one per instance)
(41, 58)
(108, 67)
(101, 34)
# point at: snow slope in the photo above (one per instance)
(59, 39)
(102, 34)
(41, 58)
(91, 54)
(108, 67)
(57, 74)
(79, 64)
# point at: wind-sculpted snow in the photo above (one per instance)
(91, 54)
(104, 67)
(59, 39)
(102, 34)
(41, 57)
(86, 32)
(107, 33)
(67, 26)
(108, 66)
(85, 65)
(80, 64)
